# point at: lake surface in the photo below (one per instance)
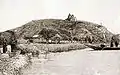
(79, 62)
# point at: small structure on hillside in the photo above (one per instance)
(57, 38)
(34, 39)
(35, 36)
(71, 17)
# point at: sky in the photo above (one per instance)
(14, 13)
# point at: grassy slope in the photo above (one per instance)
(79, 30)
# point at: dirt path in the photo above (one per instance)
(80, 62)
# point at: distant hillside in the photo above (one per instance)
(79, 30)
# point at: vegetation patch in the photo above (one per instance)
(43, 48)
(14, 66)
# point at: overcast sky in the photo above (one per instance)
(14, 13)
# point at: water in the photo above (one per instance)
(79, 62)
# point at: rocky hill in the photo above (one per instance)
(78, 29)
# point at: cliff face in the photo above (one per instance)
(79, 29)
